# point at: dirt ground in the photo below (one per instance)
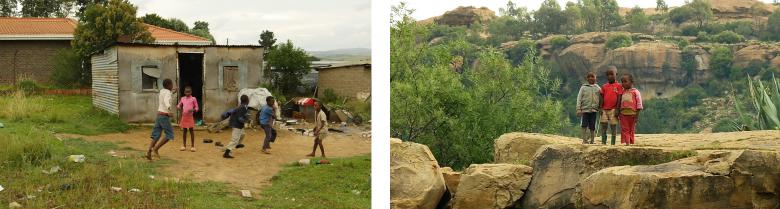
(250, 169)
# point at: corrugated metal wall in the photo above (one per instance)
(105, 81)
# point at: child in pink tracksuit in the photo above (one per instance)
(188, 106)
(630, 104)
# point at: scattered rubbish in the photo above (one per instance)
(64, 187)
(323, 161)
(218, 144)
(366, 134)
(1, 188)
(116, 189)
(77, 158)
(291, 122)
(151, 176)
(304, 162)
(40, 189)
(14, 205)
(357, 120)
(246, 193)
(199, 122)
(206, 141)
(356, 192)
(52, 170)
(134, 190)
(336, 130)
(111, 152)
(2, 125)
(29, 196)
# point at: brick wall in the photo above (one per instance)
(34, 59)
(345, 81)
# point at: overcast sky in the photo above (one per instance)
(429, 8)
(312, 24)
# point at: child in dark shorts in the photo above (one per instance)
(588, 100)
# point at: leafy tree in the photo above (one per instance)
(681, 14)
(758, 10)
(773, 26)
(701, 11)
(8, 8)
(721, 61)
(201, 29)
(729, 37)
(688, 63)
(549, 18)
(660, 5)
(573, 15)
(610, 16)
(267, 39)
(67, 70)
(289, 64)
(100, 26)
(619, 40)
(600, 15)
(46, 8)
(524, 49)
(637, 19)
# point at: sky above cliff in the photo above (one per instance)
(312, 25)
(429, 8)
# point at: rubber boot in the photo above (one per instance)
(613, 139)
(227, 154)
(604, 137)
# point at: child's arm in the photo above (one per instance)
(579, 102)
(617, 107)
(639, 105)
(601, 99)
(178, 106)
(195, 102)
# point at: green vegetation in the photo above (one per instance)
(458, 115)
(354, 106)
(637, 20)
(729, 37)
(343, 184)
(200, 28)
(619, 40)
(67, 71)
(721, 61)
(290, 63)
(559, 42)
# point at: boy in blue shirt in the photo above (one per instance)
(237, 121)
(266, 118)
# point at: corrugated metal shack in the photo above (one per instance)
(126, 77)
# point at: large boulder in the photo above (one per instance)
(738, 9)
(415, 179)
(755, 54)
(451, 179)
(465, 16)
(560, 169)
(520, 148)
(491, 186)
(718, 179)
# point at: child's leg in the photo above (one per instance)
(632, 129)
(314, 149)
(625, 129)
(583, 135)
(192, 137)
(165, 124)
(184, 136)
(322, 148)
(614, 132)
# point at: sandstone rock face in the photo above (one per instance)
(735, 9)
(558, 170)
(466, 16)
(493, 186)
(451, 179)
(755, 54)
(718, 179)
(415, 180)
(520, 148)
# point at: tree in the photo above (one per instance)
(688, 63)
(102, 24)
(8, 8)
(773, 26)
(610, 16)
(267, 39)
(660, 5)
(600, 15)
(680, 14)
(729, 37)
(701, 11)
(46, 8)
(637, 20)
(618, 41)
(758, 10)
(549, 18)
(289, 64)
(573, 15)
(201, 29)
(721, 61)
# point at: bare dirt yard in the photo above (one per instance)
(250, 169)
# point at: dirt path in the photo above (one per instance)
(250, 169)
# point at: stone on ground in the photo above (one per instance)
(415, 179)
(491, 186)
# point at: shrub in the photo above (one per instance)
(330, 97)
(721, 61)
(28, 86)
(729, 37)
(680, 14)
(619, 40)
(702, 37)
(689, 30)
(559, 42)
(67, 71)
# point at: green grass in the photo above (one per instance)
(322, 186)
(29, 146)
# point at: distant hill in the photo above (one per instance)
(349, 54)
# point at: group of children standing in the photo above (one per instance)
(238, 117)
(613, 102)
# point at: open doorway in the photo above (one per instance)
(191, 74)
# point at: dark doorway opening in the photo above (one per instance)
(191, 74)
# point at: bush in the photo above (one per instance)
(725, 125)
(689, 30)
(721, 61)
(729, 37)
(680, 14)
(28, 86)
(559, 42)
(702, 37)
(67, 71)
(619, 40)
(330, 97)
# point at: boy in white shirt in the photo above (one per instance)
(163, 121)
(320, 129)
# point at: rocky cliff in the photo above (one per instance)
(716, 170)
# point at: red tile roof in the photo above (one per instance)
(13, 28)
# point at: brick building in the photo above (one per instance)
(352, 81)
(28, 45)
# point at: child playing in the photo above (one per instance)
(587, 107)
(188, 105)
(237, 120)
(266, 119)
(630, 105)
(320, 129)
(609, 98)
(163, 121)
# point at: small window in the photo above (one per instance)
(149, 77)
(230, 78)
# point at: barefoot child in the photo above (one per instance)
(188, 106)
(237, 120)
(630, 105)
(266, 118)
(587, 107)
(163, 121)
(320, 129)
(609, 95)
